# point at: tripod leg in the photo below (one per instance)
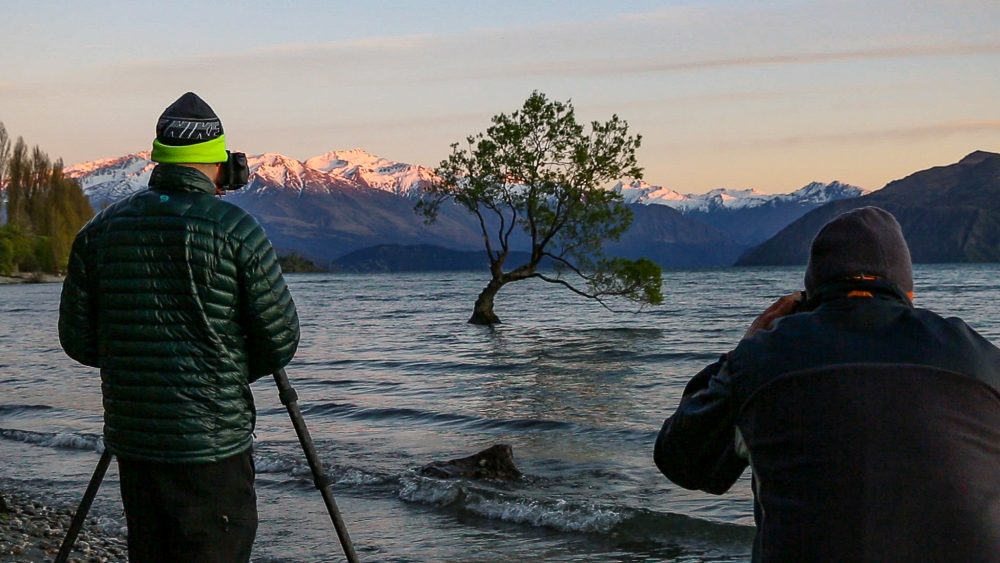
(81, 512)
(289, 398)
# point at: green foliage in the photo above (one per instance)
(45, 209)
(17, 250)
(538, 170)
(293, 263)
(8, 248)
(636, 280)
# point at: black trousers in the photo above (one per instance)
(195, 513)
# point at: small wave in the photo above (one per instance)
(402, 413)
(568, 516)
(61, 440)
(561, 515)
(358, 477)
(399, 414)
(298, 467)
(306, 383)
(556, 514)
(272, 463)
(669, 357)
(7, 410)
(348, 410)
(651, 524)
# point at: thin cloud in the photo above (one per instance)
(422, 122)
(141, 76)
(624, 67)
(296, 52)
(693, 99)
(918, 132)
(685, 14)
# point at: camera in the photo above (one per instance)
(806, 303)
(235, 172)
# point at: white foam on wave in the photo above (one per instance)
(428, 491)
(62, 440)
(76, 442)
(560, 515)
(264, 463)
(557, 514)
(351, 476)
(299, 468)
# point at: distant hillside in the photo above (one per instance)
(416, 258)
(328, 207)
(948, 214)
(673, 240)
(659, 233)
(322, 216)
(747, 216)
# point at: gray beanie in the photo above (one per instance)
(866, 241)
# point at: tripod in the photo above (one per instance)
(289, 398)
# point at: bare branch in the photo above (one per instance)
(570, 287)
(486, 235)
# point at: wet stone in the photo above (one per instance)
(495, 463)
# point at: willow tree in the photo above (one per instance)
(537, 171)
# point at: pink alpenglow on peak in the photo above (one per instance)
(374, 171)
(107, 180)
(728, 198)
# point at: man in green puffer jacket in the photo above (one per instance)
(178, 298)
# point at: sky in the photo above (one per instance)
(726, 93)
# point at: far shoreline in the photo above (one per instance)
(31, 277)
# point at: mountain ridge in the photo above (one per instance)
(343, 201)
(949, 213)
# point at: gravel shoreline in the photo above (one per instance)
(31, 531)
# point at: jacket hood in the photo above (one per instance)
(862, 244)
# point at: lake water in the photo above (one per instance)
(391, 377)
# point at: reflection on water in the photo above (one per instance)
(391, 377)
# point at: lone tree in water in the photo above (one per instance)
(538, 171)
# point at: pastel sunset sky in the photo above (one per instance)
(726, 93)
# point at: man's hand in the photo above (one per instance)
(784, 306)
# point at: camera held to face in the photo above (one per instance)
(234, 172)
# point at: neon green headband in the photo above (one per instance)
(206, 153)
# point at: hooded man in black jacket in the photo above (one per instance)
(872, 428)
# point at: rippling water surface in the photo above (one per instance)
(391, 377)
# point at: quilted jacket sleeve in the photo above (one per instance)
(77, 309)
(267, 310)
(696, 447)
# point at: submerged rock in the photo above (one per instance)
(495, 462)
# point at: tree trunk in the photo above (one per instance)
(482, 313)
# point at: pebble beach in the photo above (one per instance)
(32, 531)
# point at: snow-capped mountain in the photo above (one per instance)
(374, 171)
(107, 180)
(816, 193)
(948, 214)
(273, 171)
(748, 216)
(345, 201)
